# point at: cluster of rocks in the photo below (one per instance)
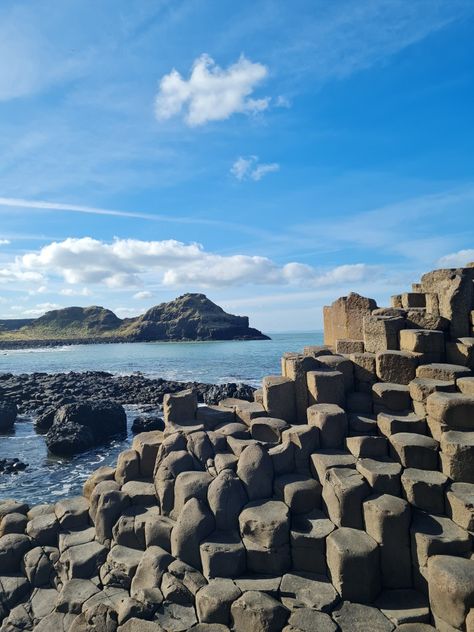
(39, 393)
(340, 499)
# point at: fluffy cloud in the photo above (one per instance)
(4, 242)
(126, 263)
(69, 291)
(141, 296)
(251, 168)
(457, 259)
(211, 93)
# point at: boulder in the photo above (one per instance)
(213, 601)
(258, 612)
(79, 426)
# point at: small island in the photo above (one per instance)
(190, 317)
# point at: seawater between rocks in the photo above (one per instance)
(49, 478)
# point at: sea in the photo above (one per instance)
(48, 478)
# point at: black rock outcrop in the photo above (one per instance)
(79, 426)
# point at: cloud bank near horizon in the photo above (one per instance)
(129, 263)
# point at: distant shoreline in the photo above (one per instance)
(69, 342)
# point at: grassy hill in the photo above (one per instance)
(188, 317)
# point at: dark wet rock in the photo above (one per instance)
(77, 427)
(12, 466)
(8, 415)
(145, 423)
(42, 393)
(44, 421)
(217, 392)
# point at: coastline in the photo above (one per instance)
(59, 342)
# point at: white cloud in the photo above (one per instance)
(251, 168)
(124, 312)
(457, 259)
(141, 296)
(68, 291)
(4, 242)
(263, 169)
(126, 263)
(211, 93)
(37, 310)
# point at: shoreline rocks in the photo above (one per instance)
(42, 393)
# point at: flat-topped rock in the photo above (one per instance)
(404, 605)
(437, 535)
(356, 617)
(415, 450)
(440, 371)
(398, 367)
(308, 541)
(425, 489)
(324, 460)
(422, 387)
(455, 410)
(382, 474)
(405, 421)
(391, 396)
(307, 590)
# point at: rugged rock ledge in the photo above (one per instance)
(340, 500)
(38, 393)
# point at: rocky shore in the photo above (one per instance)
(38, 393)
(341, 499)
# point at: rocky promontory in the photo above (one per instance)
(187, 318)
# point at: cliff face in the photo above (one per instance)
(188, 317)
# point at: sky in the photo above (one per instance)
(272, 155)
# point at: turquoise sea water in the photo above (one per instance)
(49, 478)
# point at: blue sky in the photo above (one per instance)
(273, 155)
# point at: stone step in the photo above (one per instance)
(442, 371)
(405, 421)
(425, 489)
(382, 474)
(308, 541)
(223, 555)
(389, 396)
(397, 367)
(414, 450)
(404, 605)
(367, 446)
